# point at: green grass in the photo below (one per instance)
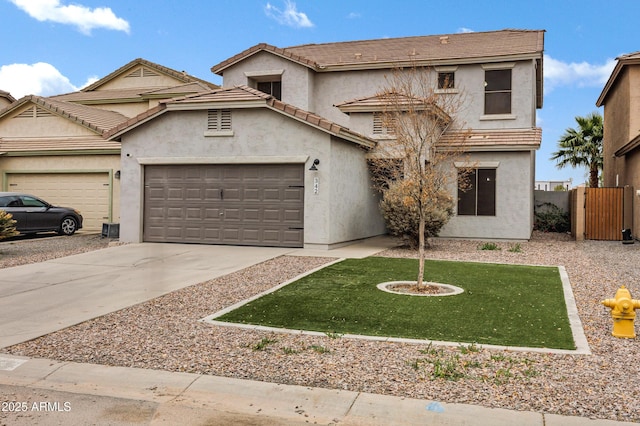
(502, 304)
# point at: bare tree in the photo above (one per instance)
(413, 166)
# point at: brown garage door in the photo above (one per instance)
(240, 204)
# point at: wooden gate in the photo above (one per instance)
(604, 213)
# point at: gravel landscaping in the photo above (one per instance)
(165, 333)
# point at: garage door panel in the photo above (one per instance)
(293, 217)
(90, 193)
(293, 194)
(230, 204)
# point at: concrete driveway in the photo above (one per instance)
(40, 298)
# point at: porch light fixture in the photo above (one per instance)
(313, 167)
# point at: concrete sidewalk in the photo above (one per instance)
(53, 392)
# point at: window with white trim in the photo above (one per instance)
(446, 80)
(477, 192)
(273, 88)
(497, 91)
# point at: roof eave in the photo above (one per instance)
(360, 66)
(628, 147)
(490, 148)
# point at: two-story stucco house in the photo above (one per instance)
(53, 147)
(621, 146)
(278, 156)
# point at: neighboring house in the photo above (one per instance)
(238, 165)
(621, 101)
(53, 147)
(5, 99)
(553, 185)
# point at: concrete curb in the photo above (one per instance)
(190, 398)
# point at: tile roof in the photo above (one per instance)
(103, 96)
(382, 102)
(182, 89)
(76, 145)
(489, 140)
(383, 53)
(7, 96)
(237, 96)
(134, 94)
(96, 119)
(179, 75)
(623, 61)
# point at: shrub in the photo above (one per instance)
(551, 218)
(401, 214)
(7, 225)
(488, 246)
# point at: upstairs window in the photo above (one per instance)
(273, 88)
(218, 120)
(497, 91)
(477, 193)
(446, 80)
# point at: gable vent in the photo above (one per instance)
(136, 73)
(146, 72)
(43, 113)
(219, 119)
(379, 127)
(34, 112)
(142, 72)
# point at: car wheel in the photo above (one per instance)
(68, 226)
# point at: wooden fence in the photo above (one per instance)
(599, 213)
(603, 209)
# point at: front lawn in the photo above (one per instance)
(509, 305)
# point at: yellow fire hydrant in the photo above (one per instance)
(623, 313)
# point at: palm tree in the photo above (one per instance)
(582, 146)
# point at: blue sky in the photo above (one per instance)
(57, 46)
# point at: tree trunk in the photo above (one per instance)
(593, 177)
(421, 226)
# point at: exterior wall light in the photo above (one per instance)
(313, 167)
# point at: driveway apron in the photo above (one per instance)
(40, 298)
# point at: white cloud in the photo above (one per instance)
(354, 15)
(465, 30)
(289, 16)
(37, 79)
(82, 17)
(583, 74)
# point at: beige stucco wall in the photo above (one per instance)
(108, 163)
(514, 200)
(319, 91)
(51, 126)
(616, 130)
(297, 80)
(146, 81)
(341, 210)
(621, 125)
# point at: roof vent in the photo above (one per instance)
(413, 53)
(444, 40)
(358, 55)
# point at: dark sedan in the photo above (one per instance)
(35, 215)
